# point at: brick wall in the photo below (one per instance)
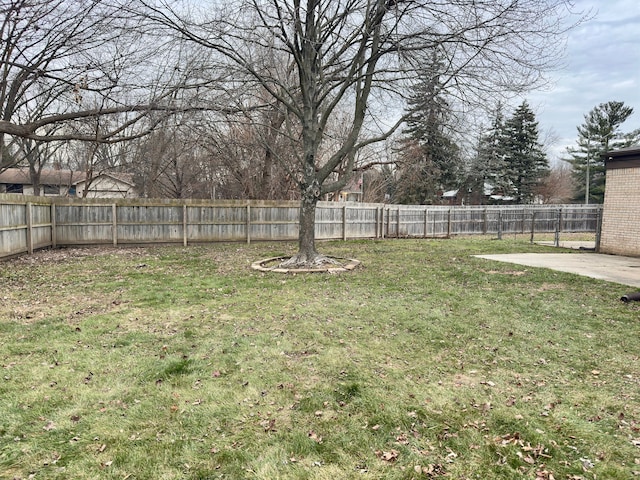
(621, 214)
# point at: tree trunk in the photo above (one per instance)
(307, 256)
(34, 175)
(307, 234)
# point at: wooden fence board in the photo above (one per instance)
(41, 226)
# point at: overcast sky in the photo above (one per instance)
(602, 64)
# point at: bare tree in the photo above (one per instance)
(254, 150)
(359, 56)
(558, 186)
(66, 66)
(169, 163)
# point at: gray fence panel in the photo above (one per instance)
(84, 224)
(210, 224)
(41, 226)
(25, 222)
(274, 223)
(13, 229)
(362, 222)
(149, 224)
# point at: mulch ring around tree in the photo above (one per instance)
(337, 265)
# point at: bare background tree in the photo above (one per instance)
(83, 70)
(319, 59)
(558, 186)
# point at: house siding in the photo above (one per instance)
(66, 183)
(106, 187)
(620, 234)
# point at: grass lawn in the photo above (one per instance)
(174, 363)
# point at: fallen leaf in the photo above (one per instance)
(544, 475)
(431, 470)
(390, 456)
(49, 426)
(315, 437)
(269, 425)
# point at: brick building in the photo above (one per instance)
(620, 234)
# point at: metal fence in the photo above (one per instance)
(29, 223)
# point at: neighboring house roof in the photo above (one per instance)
(502, 198)
(47, 177)
(120, 177)
(59, 177)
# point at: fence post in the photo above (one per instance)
(114, 227)
(375, 234)
(29, 228)
(484, 221)
(448, 223)
(398, 224)
(385, 226)
(558, 228)
(248, 224)
(184, 225)
(426, 221)
(499, 224)
(344, 222)
(54, 238)
(598, 228)
(533, 225)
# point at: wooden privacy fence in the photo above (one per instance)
(29, 223)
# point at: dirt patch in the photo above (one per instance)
(63, 254)
(516, 273)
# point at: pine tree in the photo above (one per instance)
(599, 133)
(488, 166)
(526, 162)
(429, 159)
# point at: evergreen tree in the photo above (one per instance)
(488, 165)
(429, 159)
(525, 161)
(599, 133)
